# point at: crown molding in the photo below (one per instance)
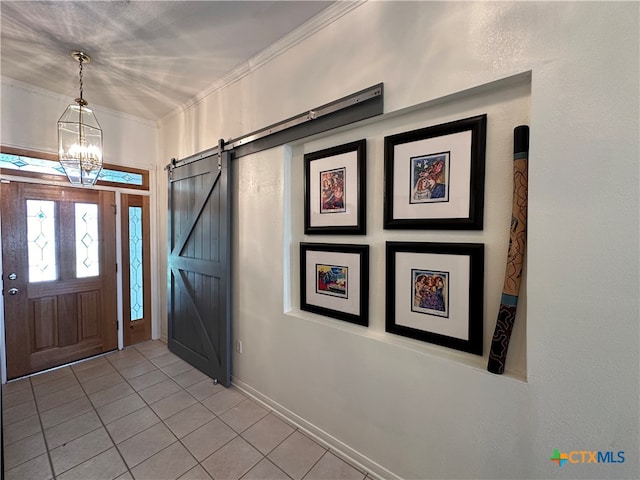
(325, 18)
(28, 88)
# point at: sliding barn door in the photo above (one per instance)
(199, 265)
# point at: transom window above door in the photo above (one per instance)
(13, 162)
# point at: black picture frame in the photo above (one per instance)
(434, 176)
(334, 281)
(340, 171)
(435, 293)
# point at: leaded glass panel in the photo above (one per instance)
(135, 263)
(41, 240)
(51, 167)
(87, 242)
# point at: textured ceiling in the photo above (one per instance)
(147, 57)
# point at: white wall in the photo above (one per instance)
(418, 411)
(29, 116)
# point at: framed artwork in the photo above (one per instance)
(334, 281)
(434, 293)
(434, 177)
(335, 190)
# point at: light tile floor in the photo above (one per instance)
(143, 413)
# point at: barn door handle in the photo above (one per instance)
(13, 291)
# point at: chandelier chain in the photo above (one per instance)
(80, 60)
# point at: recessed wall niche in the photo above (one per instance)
(507, 104)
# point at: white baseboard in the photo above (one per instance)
(340, 449)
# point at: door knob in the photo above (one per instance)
(13, 291)
(13, 276)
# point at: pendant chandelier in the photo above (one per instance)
(80, 138)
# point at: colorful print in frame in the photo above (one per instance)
(332, 280)
(332, 193)
(431, 292)
(434, 176)
(435, 293)
(430, 178)
(335, 190)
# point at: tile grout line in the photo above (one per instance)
(310, 436)
(315, 463)
(239, 434)
(125, 380)
(38, 414)
(216, 416)
(182, 389)
(266, 456)
(179, 440)
(271, 462)
(103, 426)
(44, 437)
(148, 405)
(73, 372)
(95, 409)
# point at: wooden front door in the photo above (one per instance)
(199, 265)
(59, 275)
